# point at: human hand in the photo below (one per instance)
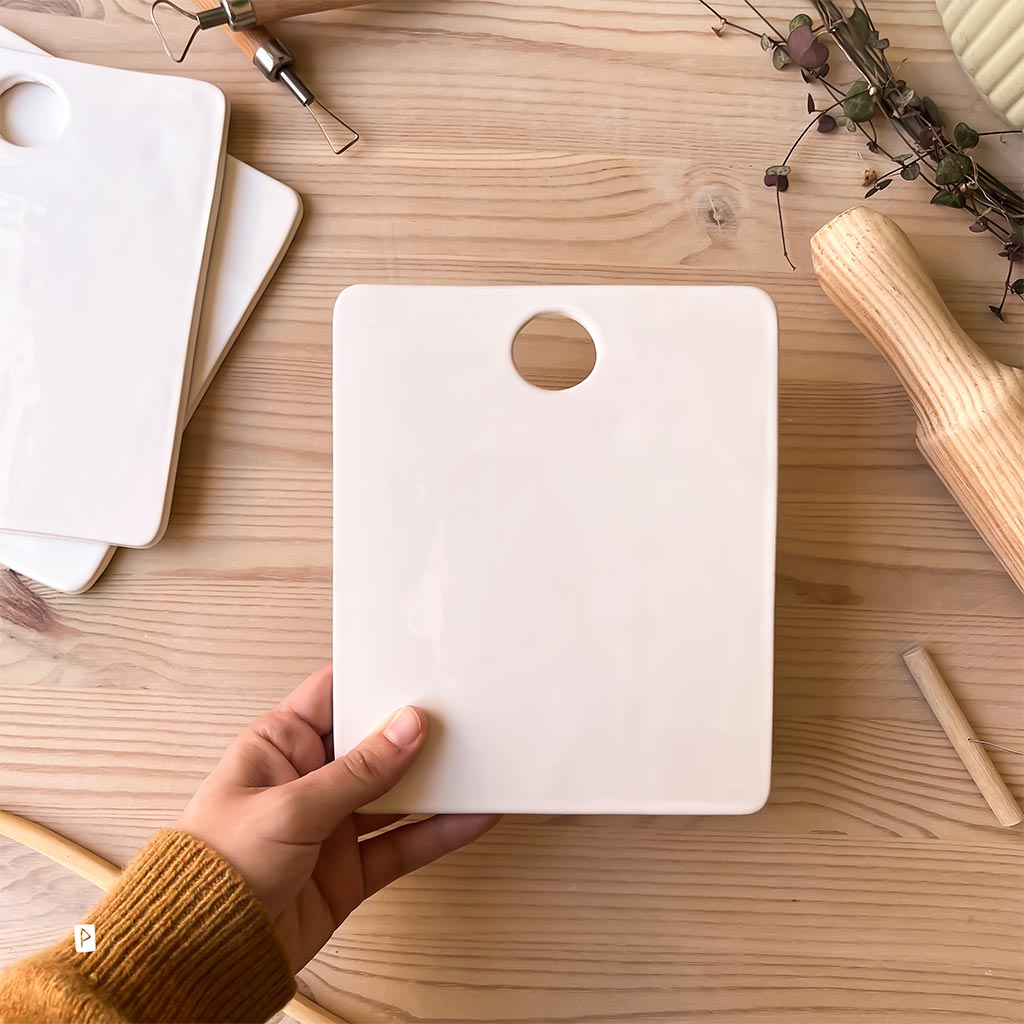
(284, 813)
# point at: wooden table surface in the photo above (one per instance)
(592, 142)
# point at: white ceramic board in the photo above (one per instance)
(577, 586)
(104, 238)
(256, 222)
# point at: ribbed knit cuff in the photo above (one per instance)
(181, 937)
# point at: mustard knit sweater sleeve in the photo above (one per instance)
(180, 938)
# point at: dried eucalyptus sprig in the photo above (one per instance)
(944, 162)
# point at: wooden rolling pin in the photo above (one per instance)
(970, 408)
(104, 875)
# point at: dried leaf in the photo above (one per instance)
(859, 104)
(953, 169)
(965, 136)
(800, 19)
(805, 49)
(932, 110)
(860, 27)
(1013, 249)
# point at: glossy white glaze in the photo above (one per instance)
(257, 219)
(577, 586)
(104, 239)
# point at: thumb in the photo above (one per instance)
(368, 771)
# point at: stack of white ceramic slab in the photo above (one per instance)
(132, 251)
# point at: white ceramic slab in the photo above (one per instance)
(577, 586)
(104, 238)
(256, 222)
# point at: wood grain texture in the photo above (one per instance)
(572, 142)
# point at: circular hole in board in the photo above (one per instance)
(553, 352)
(32, 114)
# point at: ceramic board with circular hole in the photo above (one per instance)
(256, 222)
(576, 586)
(105, 231)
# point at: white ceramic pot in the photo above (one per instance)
(988, 37)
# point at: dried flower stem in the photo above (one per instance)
(943, 162)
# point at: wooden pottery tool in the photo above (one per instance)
(970, 408)
(104, 876)
(257, 219)
(101, 288)
(961, 735)
(235, 15)
(577, 586)
(275, 62)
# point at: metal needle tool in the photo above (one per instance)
(276, 63)
(236, 15)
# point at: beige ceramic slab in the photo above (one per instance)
(257, 219)
(104, 237)
(988, 38)
(577, 586)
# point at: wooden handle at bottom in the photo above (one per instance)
(104, 875)
(958, 729)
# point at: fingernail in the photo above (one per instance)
(404, 727)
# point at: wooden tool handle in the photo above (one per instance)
(36, 837)
(277, 10)
(970, 408)
(958, 729)
(104, 875)
(249, 40)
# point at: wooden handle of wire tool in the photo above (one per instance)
(958, 729)
(104, 875)
(277, 10)
(970, 408)
(249, 40)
